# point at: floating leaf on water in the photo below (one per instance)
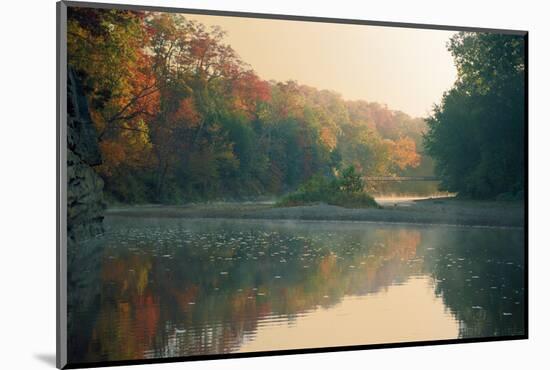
(191, 303)
(223, 273)
(506, 314)
(477, 307)
(277, 277)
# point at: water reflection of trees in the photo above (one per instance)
(480, 275)
(183, 289)
(203, 289)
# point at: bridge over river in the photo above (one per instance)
(401, 178)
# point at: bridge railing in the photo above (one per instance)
(401, 178)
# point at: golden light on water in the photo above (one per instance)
(385, 319)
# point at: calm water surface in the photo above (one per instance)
(177, 287)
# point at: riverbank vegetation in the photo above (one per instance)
(346, 190)
(476, 135)
(446, 211)
(181, 118)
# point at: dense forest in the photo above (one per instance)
(180, 117)
(476, 135)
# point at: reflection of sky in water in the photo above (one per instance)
(160, 288)
(404, 312)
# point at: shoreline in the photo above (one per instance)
(437, 211)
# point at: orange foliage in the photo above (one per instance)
(186, 112)
(404, 154)
(113, 154)
(249, 90)
(328, 137)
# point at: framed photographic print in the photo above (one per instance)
(235, 184)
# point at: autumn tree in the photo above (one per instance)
(181, 117)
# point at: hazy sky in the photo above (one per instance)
(407, 69)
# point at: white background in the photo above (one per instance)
(27, 181)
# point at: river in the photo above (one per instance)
(168, 287)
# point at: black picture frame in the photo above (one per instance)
(61, 188)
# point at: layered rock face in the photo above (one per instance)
(84, 186)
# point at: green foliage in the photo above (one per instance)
(345, 190)
(476, 135)
(354, 200)
(350, 181)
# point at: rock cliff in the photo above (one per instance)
(84, 186)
